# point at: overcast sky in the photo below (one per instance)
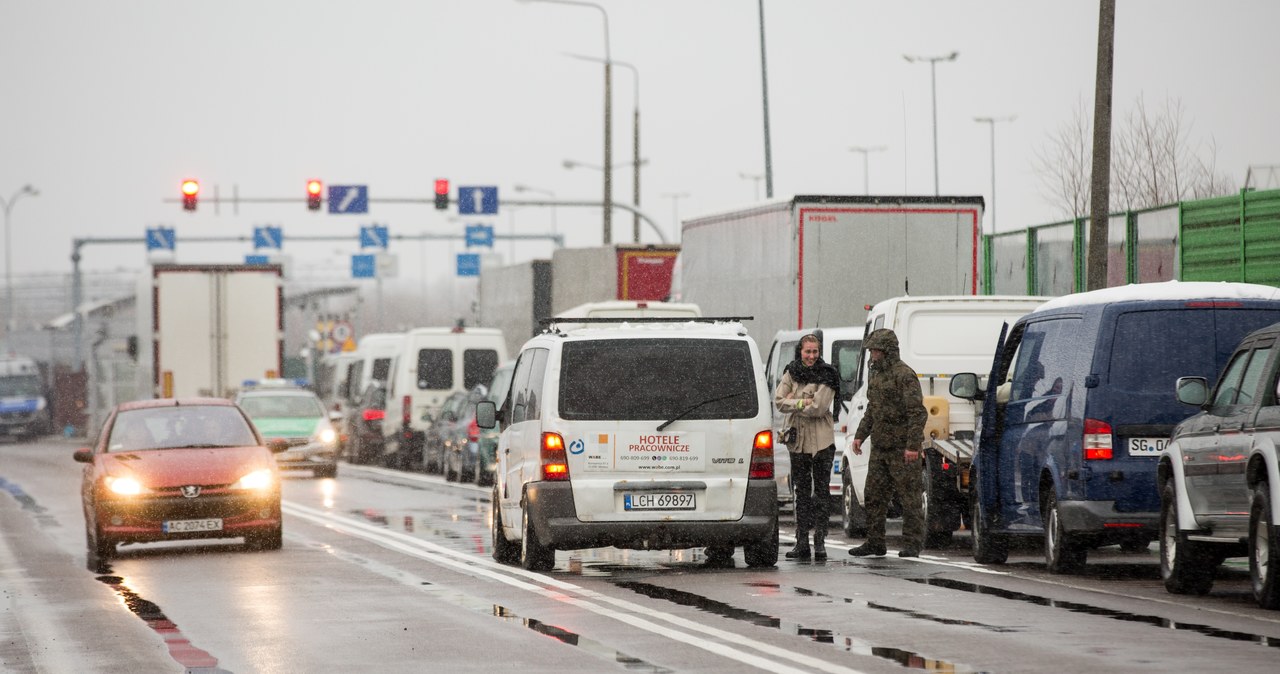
(108, 106)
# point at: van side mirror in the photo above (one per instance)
(486, 414)
(965, 386)
(1192, 390)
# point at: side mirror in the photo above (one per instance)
(83, 455)
(1192, 390)
(486, 414)
(965, 386)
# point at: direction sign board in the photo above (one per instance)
(348, 199)
(373, 236)
(480, 235)
(363, 266)
(468, 264)
(473, 200)
(257, 259)
(267, 237)
(160, 238)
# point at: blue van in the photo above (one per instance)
(1082, 408)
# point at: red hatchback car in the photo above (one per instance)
(178, 469)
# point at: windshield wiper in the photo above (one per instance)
(681, 415)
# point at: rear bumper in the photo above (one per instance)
(554, 518)
(1102, 518)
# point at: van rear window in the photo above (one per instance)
(657, 379)
(478, 366)
(435, 369)
(1153, 348)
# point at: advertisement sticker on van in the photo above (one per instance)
(665, 452)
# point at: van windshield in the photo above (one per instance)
(655, 379)
(1153, 348)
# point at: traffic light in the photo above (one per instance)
(190, 191)
(442, 194)
(313, 195)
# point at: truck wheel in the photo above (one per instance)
(504, 551)
(764, 554)
(940, 518)
(988, 546)
(1062, 553)
(852, 515)
(1185, 566)
(1264, 550)
(534, 556)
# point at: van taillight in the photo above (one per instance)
(374, 415)
(555, 463)
(473, 430)
(405, 415)
(1097, 439)
(761, 457)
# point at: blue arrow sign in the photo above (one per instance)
(364, 266)
(373, 236)
(478, 200)
(267, 237)
(160, 238)
(480, 235)
(257, 259)
(348, 198)
(468, 264)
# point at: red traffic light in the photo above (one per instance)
(442, 194)
(190, 191)
(314, 188)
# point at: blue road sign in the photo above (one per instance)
(468, 264)
(373, 236)
(480, 235)
(160, 238)
(478, 200)
(267, 237)
(257, 259)
(364, 266)
(348, 198)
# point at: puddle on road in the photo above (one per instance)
(822, 636)
(195, 660)
(1155, 621)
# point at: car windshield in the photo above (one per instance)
(281, 407)
(178, 427)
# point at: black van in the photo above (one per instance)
(1083, 408)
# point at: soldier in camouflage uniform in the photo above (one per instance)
(894, 421)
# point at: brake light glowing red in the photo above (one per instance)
(761, 467)
(555, 463)
(473, 431)
(1097, 440)
(374, 415)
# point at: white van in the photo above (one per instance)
(371, 362)
(841, 347)
(628, 309)
(938, 336)
(643, 436)
(431, 364)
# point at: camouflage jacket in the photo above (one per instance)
(895, 415)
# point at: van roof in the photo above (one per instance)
(454, 330)
(659, 329)
(1167, 290)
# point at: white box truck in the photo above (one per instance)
(213, 327)
(822, 260)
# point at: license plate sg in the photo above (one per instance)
(659, 501)
(1146, 446)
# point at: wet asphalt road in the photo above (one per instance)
(389, 571)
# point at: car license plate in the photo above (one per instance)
(658, 501)
(187, 526)
(1146, 446)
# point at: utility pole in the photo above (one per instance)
(1100, 183)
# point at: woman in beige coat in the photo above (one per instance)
(805, 395)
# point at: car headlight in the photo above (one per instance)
(259, 479)
(327, 436)
(124, 486)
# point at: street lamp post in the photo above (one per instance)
(933, 87)
(607, 222)
(8, 256)
(866, 170)
(538, 190)
(991, 121)
(635, 144)
(675, 198)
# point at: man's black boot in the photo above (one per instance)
(820, 546)
(801, 550)
(867, 550)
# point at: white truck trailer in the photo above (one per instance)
(213, 327)
(822, 260)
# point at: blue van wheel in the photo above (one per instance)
(1062, 554)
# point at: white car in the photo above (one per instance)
(652, 435)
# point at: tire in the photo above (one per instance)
(534, 556)
(99, 550)
(450, 475)
(764, 554)
(853, 517)
(504, 551)
(1264, 550)
(1062, 553)
(988, 546)
(1185, 566)
(272, 539)
(940, 520)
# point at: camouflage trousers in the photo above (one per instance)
(887, 475)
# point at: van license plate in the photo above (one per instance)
(1146, 446)
(658, 501)
(185, 526)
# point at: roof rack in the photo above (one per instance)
(645, 319)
